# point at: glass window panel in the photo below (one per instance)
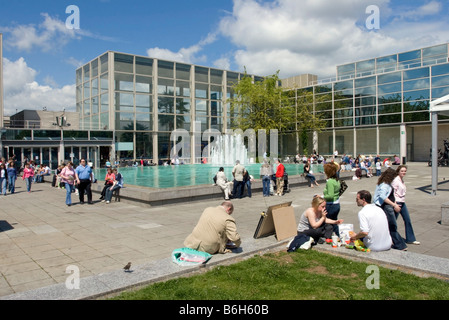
(182, 106)
(387, 63)
(389, 108)
(408, 56)
(165, 69)
(343, 85)
(323, 88)
(323, 97)
(232, 78)
(124, 82)
(75, 135)
(125, 120)
(366, 111)
(216, 92)
(346, 69)
(366, 91)
(94, 66)
(79, 76)
(440, 81)
(348, 103)
(435, 50)
(79, 91)
(216, 108)
(95, 87)
(86, 90)
(144, 145)
(201, 90)
(104, 82)
(104, 100)
(183, 88)
(216, 76)
(365, 101)
(144, 84)
(123, 62)
(417, 106)
(366, 140)
(389, 98)
(389, 88)
(389, 118)
(166, 122)
(347, 122)
(86, 107)
(183, 122)
(204, 122)
(124, 102)
(201, 74)
(388, 78)
(325, 106)
(440, 69)
(416, 84)
(343, 113)
(95, 105)
(359, 121)
(166, 105)
(183, 71)
(417, 95)
(144, 66)
(201, 107)
(364, 82)
(416, 73)
(416, 116)
(144, 103)
(101, 135)
(440, 92)
(104, 121)
(86, 72)
(94, 122)
(143, 121)
(365, 65)
(166, 87)
(104, 63)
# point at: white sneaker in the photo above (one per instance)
(107, 202)
(307, 245)
(103, 201)
(415, 242)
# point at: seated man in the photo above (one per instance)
(373, 224)
(215, 229)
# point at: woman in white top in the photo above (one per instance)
(223, 183)
(399, 195)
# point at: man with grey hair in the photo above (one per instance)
(238, 172)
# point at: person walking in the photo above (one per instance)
(3, 178)
(384, 198)
(28, 174)
(83, 174)
(399, 195)
(12, 176)
(68, 177)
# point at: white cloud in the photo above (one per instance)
(313, 36)
(22, 91)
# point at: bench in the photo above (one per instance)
(116, 193)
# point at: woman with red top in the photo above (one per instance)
(108, 182)
(28, 174)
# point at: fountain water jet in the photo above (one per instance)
(227, 149)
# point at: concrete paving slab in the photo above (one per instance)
(100, 239)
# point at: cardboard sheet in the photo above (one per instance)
(284, 223)
(266, 226)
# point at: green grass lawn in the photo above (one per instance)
(308, 275)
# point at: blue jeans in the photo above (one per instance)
(3, 185)
(266, 185)
(68, 196)
(248, 187)
(409, 234)
(29, 181)
(109, 192)
(333, 209)
(11, 183)
(398, 242)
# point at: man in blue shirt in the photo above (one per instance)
(83, 177)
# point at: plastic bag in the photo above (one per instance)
(344, 229)
(188, 257)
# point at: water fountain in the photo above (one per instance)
(227, 149)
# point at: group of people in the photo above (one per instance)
(377, 218)
(235, 188)
(8, 176)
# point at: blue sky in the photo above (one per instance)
(292, 36)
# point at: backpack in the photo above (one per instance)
(343, 187)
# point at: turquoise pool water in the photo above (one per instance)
(187, 175)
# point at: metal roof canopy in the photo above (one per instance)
(438, 106)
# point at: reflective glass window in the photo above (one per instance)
(182, 88)
(435, 51)
(389, 118)
(417, 106)
(440, 81)
(95, 87)
(143, 103)
(387, 63)
(104, 63)
(389, 88)
(365, 101)
(346, 69)
(216, 108)
(123, 62)
(86, 72)
(389, 77)
(416, 116)
(104, 102)
(79, 76)
(343, 85)
(389, 108)
(144, 66)
(364, 82)
(166, 122)
(183, 71)
(440, 69)
(166, 105)
(165, 69)
(343, 113)
(347, 103)
(182, 106)
(408, 56)
(143, 121)
(366, 91)
(94, 66)
(95, 105)
(232, 78)
(201, 90)
(104, 82)
(201, 74)
(124, 82)
(216, 92)
(144, 84)
(417, 95)
(324, 106)
(440, 92)
(166, 87)
(124, 102)
(416, 73)
(201, 107)
(183, 122)
(216, 76)
(86, 91)
(417, 84)
(364, 66)
(124, 121)
(86, 107)
(388, 98)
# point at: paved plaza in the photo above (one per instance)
(42, 241)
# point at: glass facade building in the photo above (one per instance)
(142, 100)
(374, 106)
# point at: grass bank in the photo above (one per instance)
(301, 275)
